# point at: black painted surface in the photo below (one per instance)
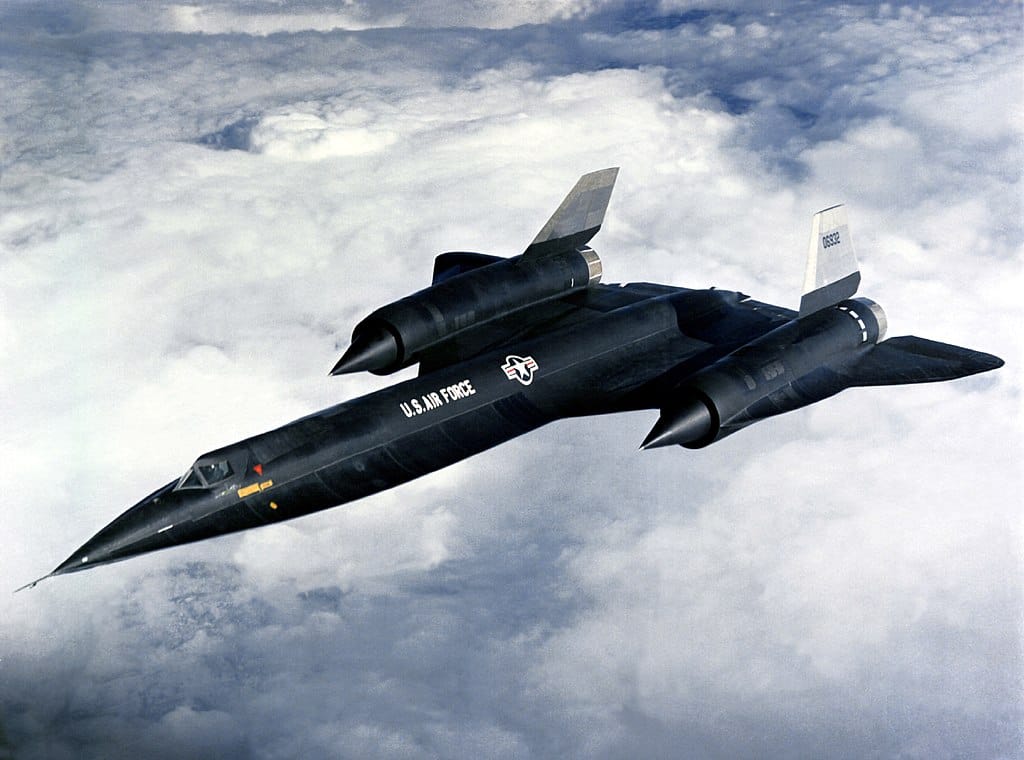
(609, 349)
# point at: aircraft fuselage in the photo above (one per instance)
(396, 434)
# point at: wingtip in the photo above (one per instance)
(993, 362)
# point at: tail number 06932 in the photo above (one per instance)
(829, 240)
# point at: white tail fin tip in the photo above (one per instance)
(833, 274)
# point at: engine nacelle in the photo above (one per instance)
(789, 367)
(394, 336)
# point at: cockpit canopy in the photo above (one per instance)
(206, 472)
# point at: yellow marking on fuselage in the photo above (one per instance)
(254, 488)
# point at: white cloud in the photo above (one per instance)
(267, 17)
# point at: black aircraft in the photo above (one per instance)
(507, 345)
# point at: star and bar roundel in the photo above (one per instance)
(520, 368)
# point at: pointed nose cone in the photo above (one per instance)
(80, 560)
(374, 349)
(687, 424)
(142, 528)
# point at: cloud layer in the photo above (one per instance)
(200, 202)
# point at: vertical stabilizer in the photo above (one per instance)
(579, 217)
(832, 271)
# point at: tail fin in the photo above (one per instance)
(909, 359)
(579, 217)
(832, 271)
